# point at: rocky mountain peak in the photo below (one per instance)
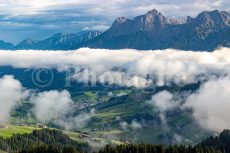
(210, 15)
(120, 20)
(211, 20)
(153, 19)
(204, 16)
(148, 22)
(153, 12)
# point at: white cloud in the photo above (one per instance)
(82, 120)
(49, 106)
(122, 79)
(211, 104)
(11, 91)
(97, 27)
(135, 68)
(76, 122)
(116, 7)
(135, 125)
(124, 125)
(52, 105)
(163, 102)
(33, 7)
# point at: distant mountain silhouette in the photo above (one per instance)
(6, 45)
(56, 42)
(59, 41)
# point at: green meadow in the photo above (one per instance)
(10, 130)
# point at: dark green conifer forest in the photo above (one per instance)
(53, 141)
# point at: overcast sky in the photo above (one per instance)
(20, 19)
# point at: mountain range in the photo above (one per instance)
(206, 32)
(59, 41)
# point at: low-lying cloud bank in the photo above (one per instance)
(126, 67)
(210, 104)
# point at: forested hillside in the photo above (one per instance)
(218, 144)
(41, 140)
(52, 141)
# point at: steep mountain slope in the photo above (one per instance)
(207, 31)
(27, 44)
(6, 45)
(59, 41)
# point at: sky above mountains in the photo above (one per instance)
(20, 19)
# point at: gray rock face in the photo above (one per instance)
(207, 31)
(174, 21)
(153, 20)
(119, 21)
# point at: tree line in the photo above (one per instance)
(53, 141)
(45, 139)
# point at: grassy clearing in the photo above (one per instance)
(111, 132)
(10, 130)
(109, 114)
(91, 95)
(74, 136)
